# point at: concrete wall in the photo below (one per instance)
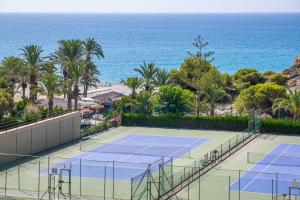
(40, 136)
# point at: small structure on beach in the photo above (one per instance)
(63, 103)
(107, 99)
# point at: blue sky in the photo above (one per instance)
(150, 6)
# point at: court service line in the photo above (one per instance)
(135, 153)
(266, 167)
(189, 146)
(120, 142)
(252, 169)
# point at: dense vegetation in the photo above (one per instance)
(229, 123)
(62, 72)
(198, 87)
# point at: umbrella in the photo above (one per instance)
(97, 107)
(85, 111)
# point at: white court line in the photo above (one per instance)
(266, 167)
(188, 145)
(135, 153)
(122, 141)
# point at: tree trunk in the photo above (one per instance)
(65, 78)
(85, 90)
(69, 102)
(147, 88)
(50, 104)
(212, 110)
(76, 90)
(24, 86)
(35, 93)
(33, 86)
(197, 103)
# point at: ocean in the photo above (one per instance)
(261, 41)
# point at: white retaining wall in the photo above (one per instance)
(40, 136)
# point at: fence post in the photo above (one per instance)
(248, 157)
(49, 181)
(39, 180)
(221, 149)
(239, 184)
(159, 178)
(80, 175)
(229, 187)
(19, 184)
(113, 186)
(276, 197)
(70, 181)
(131, 192)
(272, 189)
(5, 183)
(172, 177)
(104, 186)
(188, 191)
(147, 187)
(199, 188)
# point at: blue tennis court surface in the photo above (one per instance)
(131, 155)
(282, 166)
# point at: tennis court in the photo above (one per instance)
(129, 155)
(280, 167)
(107, 165)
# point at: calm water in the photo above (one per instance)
(262, 41)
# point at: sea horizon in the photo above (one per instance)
(264, 41)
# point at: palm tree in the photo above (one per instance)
(213, 94)
(134, 83)
(143, 103)
(33, 59)
(148, 73)
(50, 85)
(89, 77)
(23, 73)
(290, 103)
(91, 48)
(10, 70)
(162, 78)
(68, 55)
(75, 72)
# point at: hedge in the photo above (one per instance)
(287, 127)
(231, 123)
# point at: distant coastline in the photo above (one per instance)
(250, 40)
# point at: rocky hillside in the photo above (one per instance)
(293, 74)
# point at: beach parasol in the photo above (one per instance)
(85, 111)
(97, 107)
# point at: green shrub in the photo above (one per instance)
(231, 123)
(246, 77)
(174, 99)
(279, 79)
(259, 96)
(95, 129)
(286, 127)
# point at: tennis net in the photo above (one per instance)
(285, 159)
(157, 150)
